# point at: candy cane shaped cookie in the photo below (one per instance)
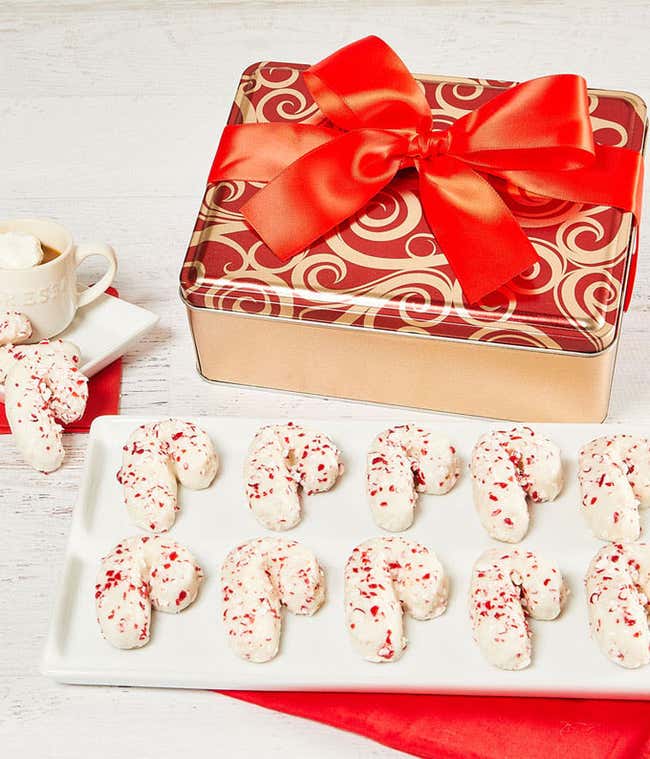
(508, 467)
(614, 477)
(43, 386)
(154, 458)
(137, 574)
(507, 586)
(258, 578)
(402, 462)
(385, 578)
(284, 459)
(14, 328)
(618, 589)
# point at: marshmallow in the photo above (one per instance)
(18, 251)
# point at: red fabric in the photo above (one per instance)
(470, 727)
(103, 396)
(536, 134)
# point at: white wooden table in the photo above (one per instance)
(109, 117)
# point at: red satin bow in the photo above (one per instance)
(536, 135)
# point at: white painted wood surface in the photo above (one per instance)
(109, 116)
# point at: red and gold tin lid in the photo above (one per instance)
(383, 269)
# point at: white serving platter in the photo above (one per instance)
(105, 330)
(190, 649)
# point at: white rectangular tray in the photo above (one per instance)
(190, 649)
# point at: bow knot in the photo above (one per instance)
(429, 144)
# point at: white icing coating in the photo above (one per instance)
(385, 578)
(402, 462)
(258, 578)
(19, 251)
(282, 460)
(618, 589)
(508, 584)
(10, 355)
(614, 477)
(43, 386)
(508, 467)
(153, 459)
(14, 328)
(137, 574)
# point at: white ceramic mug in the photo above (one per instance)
(48, 294)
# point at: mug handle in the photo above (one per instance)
(96, 249)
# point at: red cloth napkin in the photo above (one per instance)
(103, 395)
(472, 727)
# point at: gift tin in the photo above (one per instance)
(373, 311)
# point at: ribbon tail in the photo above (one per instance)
(615, 178)
(481, 239)
(259, 152)
(322, 189)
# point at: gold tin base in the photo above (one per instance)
(459, 377)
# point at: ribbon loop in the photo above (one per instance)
(373, 88)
